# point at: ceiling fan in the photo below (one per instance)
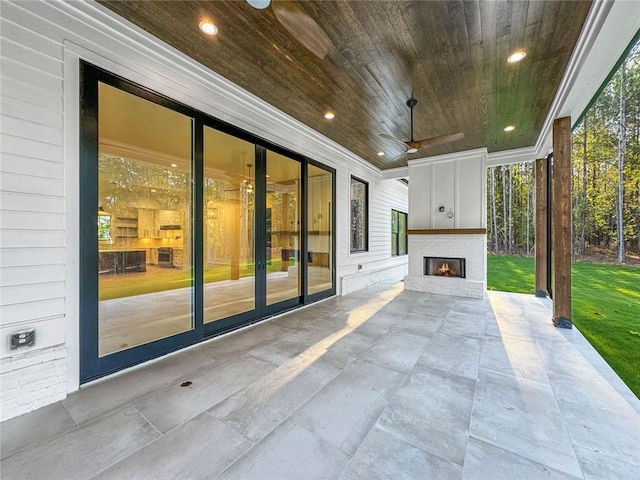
(299, 25)
(412, 146)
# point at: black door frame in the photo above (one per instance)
(91, 365)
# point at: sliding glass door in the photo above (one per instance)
(189, 227)
(229, 226)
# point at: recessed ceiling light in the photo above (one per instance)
(153, 190)
(174, 165)
(380, 154)
(329, 115)
(207, 27)
(515, 57)
(510, 128)
(412, 150)
(259, 4)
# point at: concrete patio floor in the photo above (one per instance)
(380, 384)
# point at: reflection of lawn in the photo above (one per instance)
(161, 279)
(605, 306)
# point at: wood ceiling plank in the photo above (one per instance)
(449, 54)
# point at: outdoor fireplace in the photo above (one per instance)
(445, 267)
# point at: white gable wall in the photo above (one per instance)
(41, 45)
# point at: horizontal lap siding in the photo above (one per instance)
(32, 215)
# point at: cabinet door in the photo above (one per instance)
(146, 223)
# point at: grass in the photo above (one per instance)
(162, 279)
(605, 306)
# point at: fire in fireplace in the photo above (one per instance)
(445, 267)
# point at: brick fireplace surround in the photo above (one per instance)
(469, 244)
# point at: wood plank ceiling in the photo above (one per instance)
(450, 55)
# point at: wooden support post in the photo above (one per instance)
(561, 201)
(541, 227)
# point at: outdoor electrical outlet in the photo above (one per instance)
(359, 266)
(441, 209)
(24, 338)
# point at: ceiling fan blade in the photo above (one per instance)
(302, 27)
(389, 137)
(430, 142)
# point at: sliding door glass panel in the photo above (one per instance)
(283, 228)
(229, 202)
(319, 234)
(144, 228)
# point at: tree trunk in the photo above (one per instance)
(510, 218)
(528, 181)
(494, 220)
(504, 208)
(621, 146)
(583, 212)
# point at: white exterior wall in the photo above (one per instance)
(41, 45)
(455, 183)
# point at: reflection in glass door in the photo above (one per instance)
(283, 180)
(319, 229)
(229, 205)
(144, 228)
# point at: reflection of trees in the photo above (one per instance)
(126, 185)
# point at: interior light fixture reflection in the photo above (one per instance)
(509, 128)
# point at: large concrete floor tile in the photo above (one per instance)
(378, 325)
(263, 405)
(419, 324)
(485, 461)
(474, 308)
(439, 305)
(432, 412)
(383, 457)
(522, 416)
(228, 346)
(340, 349)
(344, 411)
(456, 355)
(84, 451)
(290, 344)
(459, 324)
(289, 453)
(599, 419)
(596, 466)
(175, 405)
(200, 449)
(105, 396)
(34, 428)
(513, 356)
(396, 350)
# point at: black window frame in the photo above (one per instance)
(395, 236)
(352, 232)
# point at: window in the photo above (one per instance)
(359, 215)
(398, 233)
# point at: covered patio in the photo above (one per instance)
(381, 383)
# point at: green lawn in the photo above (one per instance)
(605, 307)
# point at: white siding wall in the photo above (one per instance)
(41, 44)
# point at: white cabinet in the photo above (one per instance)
(147, 223)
